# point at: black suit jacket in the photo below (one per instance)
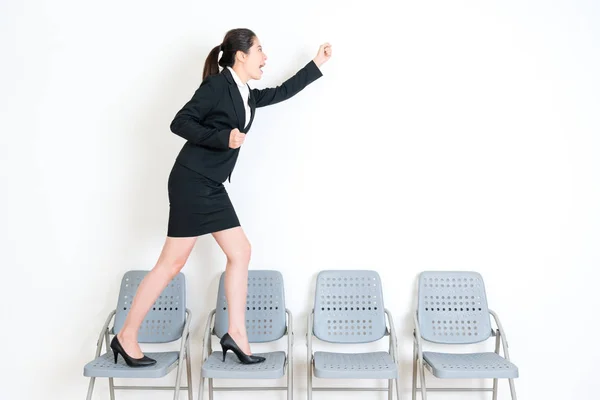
(215, 109)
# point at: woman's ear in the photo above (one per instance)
(240, 56)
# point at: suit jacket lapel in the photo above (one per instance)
(252, 104)
(238, 106)
(236, 98)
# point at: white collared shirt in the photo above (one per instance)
(244, 92)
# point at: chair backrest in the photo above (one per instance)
(349, 307)
(265, 307)
(452, 307)
(166, 318)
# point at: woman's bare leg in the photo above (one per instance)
(173, 257)
(236, 247)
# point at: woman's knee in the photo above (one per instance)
(172, 263)
(171, 267)
(240, 255)
(175, 254)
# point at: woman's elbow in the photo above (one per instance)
(176, 124)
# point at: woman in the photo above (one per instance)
(214, 123)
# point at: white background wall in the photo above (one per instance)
(444, 135)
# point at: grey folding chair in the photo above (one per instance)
(265, 322)
(452, 309)
(168, 320)
(349, 309)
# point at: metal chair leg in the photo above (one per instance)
(390, 388)
(423, 385)
(497, 350)
(398, 388)
(111, 388)
(188, 369)
(201, 389)
(414, 377)
(495, 390)
(290, 378)
(309, 378)
(513, 394)
(178, 380)
(91, 388)
(210, 389)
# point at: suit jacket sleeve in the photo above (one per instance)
(307, 75)
(188, 121)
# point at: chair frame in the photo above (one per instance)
(420, 364)
(184, 352)
(393, 350)
(288, 366)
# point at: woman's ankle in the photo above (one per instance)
(126, 335)
(238, 335)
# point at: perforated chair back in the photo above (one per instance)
(165, 320)
(265, 307)
(452, 307)
(349, 307)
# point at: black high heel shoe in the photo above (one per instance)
(227, 343)
(132, 362)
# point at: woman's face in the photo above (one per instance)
(254, 61)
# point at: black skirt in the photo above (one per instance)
(197, 205)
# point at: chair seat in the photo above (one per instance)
(469, 366)
(104, 366)
(272, 368)
(376, 365)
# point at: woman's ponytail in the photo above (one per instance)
(211, 65)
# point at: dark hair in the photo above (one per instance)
(235, 40)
